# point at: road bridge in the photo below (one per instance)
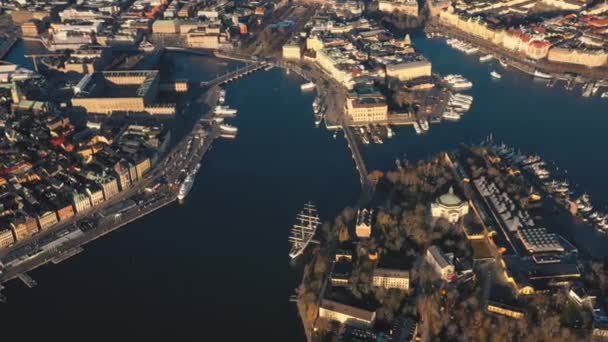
(367, 185)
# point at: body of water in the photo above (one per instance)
(217, 266)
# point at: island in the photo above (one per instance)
(463, 245)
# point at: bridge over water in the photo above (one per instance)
(236, 74)
(367, 185)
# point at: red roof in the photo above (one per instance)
(539, 44)
(599, 22)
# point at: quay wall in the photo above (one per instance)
(514, 59)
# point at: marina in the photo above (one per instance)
(228, 161)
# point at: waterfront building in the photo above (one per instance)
(65, 212)
(142, 166)
(22, 227)
(165, 27)
(407, 7)
(121, 169)
(109, 186)
(363, 228)
(391, 278)
(95, 195)
(121, 91)
(441, 263)
(343, 313)
(292, 50)
(6, 238)
(204, 40)
(528, 275)
(409, 70)
(587, 57)
(539, 240)
(365, 108)
(529, 43)
(81, 201)
(47, 219)
(337, 64)
(450, 207)
(31, 28)
(19, 230)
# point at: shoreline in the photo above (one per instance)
(151, 203)
(558, 71)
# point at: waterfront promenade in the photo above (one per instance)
(31, 253)
(515, 60)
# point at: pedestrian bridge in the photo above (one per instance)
(235, 75)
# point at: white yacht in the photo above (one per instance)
(307, 86)
(495, 75)
(224, 111)
(540, 74)
(228, 129)
(486, 58)
(451, 115)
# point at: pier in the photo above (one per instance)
(27, 280)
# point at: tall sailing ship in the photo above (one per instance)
(302, 232)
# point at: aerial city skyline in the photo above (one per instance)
(387, 170)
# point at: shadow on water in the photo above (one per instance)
(217, 265)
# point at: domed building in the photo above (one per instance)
(450, 207)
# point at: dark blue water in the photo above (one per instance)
(216, 267)
(562, 126)
(21, 48)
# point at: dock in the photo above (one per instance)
(27, 280)
(66, 255)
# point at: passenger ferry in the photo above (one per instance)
(187, 184)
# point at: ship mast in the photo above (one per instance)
(302, 232)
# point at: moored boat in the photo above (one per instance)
(303, 231)
(307, 86)
(228, 128)
(486, 58)
(540, 74)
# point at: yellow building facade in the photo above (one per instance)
(409, 70)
